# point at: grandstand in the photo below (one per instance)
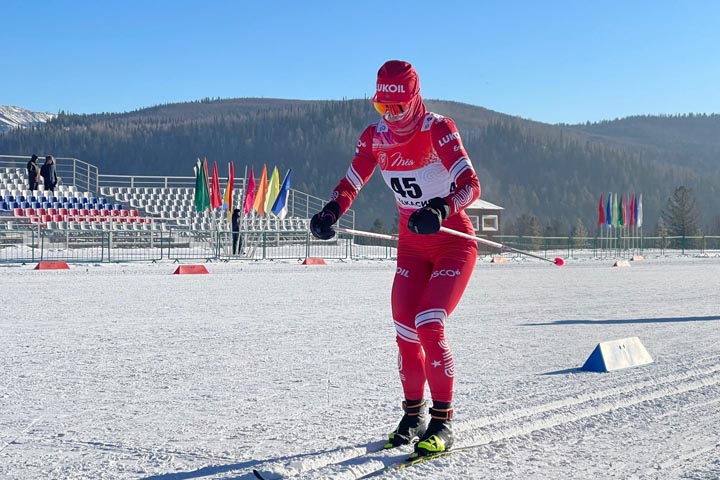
(142, 212)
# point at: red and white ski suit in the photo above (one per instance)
(432, 270)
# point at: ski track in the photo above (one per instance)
(137, 386)
(353, 463)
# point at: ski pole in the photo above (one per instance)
(361, 233)
(505, 248)
(557, 261)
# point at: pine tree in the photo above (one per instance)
(681, 216)
(578, 234)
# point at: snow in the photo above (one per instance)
(125, 371)
(14, 117)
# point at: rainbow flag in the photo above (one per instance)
(261, 193)
(228, 199)
(280, 206)
(215, 200)
(273, 189)
(250, 193)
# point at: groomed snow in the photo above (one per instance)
(125, 371)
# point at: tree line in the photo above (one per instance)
(544, 174)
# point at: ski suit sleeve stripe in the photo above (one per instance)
(449, 147)
(360, 170)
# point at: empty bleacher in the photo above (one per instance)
(118, 208)
(66, 207)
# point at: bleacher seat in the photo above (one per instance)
(18, 212)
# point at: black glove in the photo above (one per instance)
(322, 222)
(428, 219)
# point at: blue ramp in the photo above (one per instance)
(616, 355)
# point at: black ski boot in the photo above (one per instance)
(411, 427)
(439, 436)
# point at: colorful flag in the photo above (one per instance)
(608, 211)
(623, 211)
(215, 199)
(261, 192)
(616, 212)
(279, 208)
(228, 199)
(601, 212)
(631, 213)
(202, 197)
(273, 189)
(639, 219)
(249, 193)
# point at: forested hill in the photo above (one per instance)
(555, 173)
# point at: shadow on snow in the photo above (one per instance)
(626, 321)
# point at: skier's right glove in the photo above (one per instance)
(321, 224)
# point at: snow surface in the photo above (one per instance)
(14, 117)
(125, 371)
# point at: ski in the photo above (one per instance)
(370, 448)
(410, 462)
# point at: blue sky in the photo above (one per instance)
(551, 61)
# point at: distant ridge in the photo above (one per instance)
(18, 117)
(555, 173)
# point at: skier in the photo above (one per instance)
(422, 159)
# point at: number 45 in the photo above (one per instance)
(406, 187)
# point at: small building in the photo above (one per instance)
(486, 218)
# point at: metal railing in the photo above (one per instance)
(90, 246)
(86, 177)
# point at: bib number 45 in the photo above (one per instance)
(406, 187)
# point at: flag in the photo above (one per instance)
(631, 213)
(601, 212)
(608, 211)
(228, 199)
(638, 207)
(249, 193)
(623, 211)
(273, 189)
(261, 192)
(616, 216)
(202, 197)
(279, 208)
(215, 200)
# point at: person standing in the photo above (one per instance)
(49, 174)
(422, 159)
(236, 238)
(33, 171)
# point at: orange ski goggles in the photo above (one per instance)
(393, 109)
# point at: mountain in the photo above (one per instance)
(16, 117)
(553, 172)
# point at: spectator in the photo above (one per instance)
(49, 174)
(236, 238)
(33, 171)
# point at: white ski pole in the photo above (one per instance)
(557, 261)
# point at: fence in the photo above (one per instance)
(625, 247)
(89, 246)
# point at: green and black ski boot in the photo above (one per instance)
(411, 427)
(439, 436)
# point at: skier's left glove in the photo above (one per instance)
(428, 219)
(321, 223)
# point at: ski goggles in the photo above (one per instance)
(392, 109)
